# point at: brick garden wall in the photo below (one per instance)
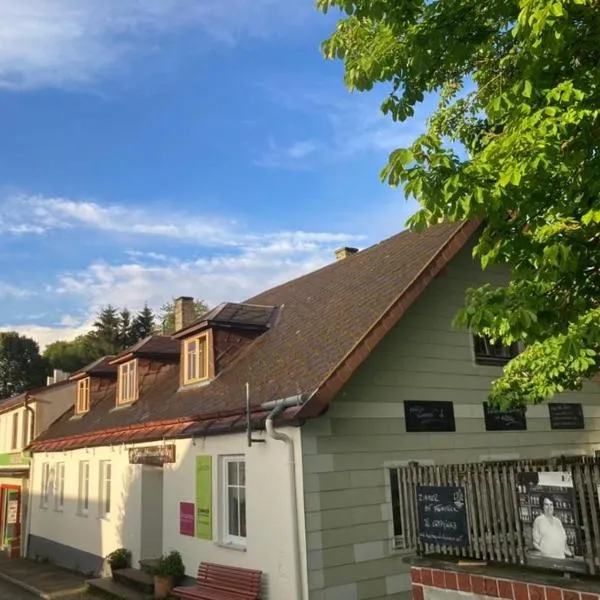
(439, 584)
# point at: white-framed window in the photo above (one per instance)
(84, 487)
(59, 495)
(83, 396)
(127, 382)
(105, 487)
(45, 488)
(195, 359)
(234, 500)
(14, 440)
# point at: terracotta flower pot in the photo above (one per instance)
(163, 584)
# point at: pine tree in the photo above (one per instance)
(106, 332)
(143, 325)
(126, 335)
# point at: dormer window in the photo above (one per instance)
(195, 359)
(128, 389)
(83, 396)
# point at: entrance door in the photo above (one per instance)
(10, 534)
(152, 512)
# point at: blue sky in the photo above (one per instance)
(168, 147)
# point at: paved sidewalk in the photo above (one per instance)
(42, 580)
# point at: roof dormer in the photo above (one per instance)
(144, 358)
(92, 379)
(210, 342)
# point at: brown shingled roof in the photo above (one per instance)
(327, 323)
(101, 366)
(152, 346)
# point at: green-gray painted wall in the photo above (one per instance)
(349, 533)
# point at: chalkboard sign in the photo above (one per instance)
(566, 416)
(429, 416)
(442, 514)
(504, 420)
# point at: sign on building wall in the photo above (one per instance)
(152, 455)
(204, 497)
(187, 518)
(442, 515)
(549, 517)
(12, 511)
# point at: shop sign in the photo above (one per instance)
(152, 455)
(10, 459)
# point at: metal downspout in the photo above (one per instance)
(27, 528)
(277, 408)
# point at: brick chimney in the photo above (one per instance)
(344, 252)
(184, 312)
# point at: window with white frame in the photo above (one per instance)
(82, 404)
(45, 488)
(105, 487)
(234, 500)
(14, 444)
(195, 359)
(84, 487)
(127, 382)
(59, 495)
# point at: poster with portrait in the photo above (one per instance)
(548, 513)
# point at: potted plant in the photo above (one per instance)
(169, 571)
(119, 559)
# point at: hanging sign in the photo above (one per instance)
(152, 455)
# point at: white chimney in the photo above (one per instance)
(185, 313)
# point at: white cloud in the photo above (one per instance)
(23, 214)
(13, 291)
(70, 42)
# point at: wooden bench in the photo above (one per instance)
(220, 582)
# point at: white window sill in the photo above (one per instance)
(232, 546)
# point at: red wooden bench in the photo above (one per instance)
(220, 582)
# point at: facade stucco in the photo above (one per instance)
(85, 540)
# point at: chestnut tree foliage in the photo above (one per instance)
(514, 142)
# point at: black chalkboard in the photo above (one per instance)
(566, 416)
(442, 514)
(429, 416)
(504, 420)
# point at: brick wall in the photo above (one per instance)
(428, 584)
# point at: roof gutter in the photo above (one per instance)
(277, 407)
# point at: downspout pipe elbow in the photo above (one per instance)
(276, 409)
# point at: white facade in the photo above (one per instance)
(61, 524)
